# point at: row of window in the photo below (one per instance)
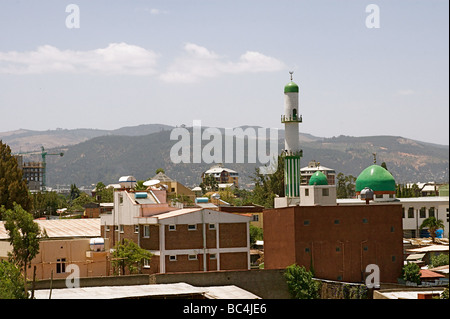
(422, 212)
(192, 257)
(146, 228)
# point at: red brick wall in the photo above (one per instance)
(340, 241)
(233, 235)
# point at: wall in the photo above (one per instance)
(339, 241)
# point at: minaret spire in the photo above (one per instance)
(291, 73)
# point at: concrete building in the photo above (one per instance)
(174, 188)
(69, 242)
(312, 168)
(222, 175)
(181, 240)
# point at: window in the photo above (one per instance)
(60, 265)
(146, 231)
(212, 256)
(393, 258)
(336, 221)
(136, 229)
(107, 228)
(192, 227)
(255, 218)
(365, 221)
(325, 192)
(120, 199)
(365, 248)
(392, 229)
(306, 191)
(172, 258)
(431, 212)
(403, 213)
(121, 228)
(338, 249)
(192, 257)
(307, 250)
(212, 226)
(411, 212)
(422, 212)
(146, 263)
(306, 222)
(172, 227)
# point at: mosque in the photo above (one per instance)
(340, 237)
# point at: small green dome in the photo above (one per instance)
(318, 178)
(376, 178)
(291, 87)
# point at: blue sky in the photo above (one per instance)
(226, 63)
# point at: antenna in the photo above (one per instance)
(374, 158)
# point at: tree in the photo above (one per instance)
(24, 235)
(411, 272)
(104, 194)
(256, 233)
(432, 224)
(209, 183)
(11, 281)
(300, 283)
(160, 170)
(74, 192)
(268, 186)
(13, 188)
(345, 186)
(129, 254)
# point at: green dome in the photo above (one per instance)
(291, 87)
(376, 178)
(318, 178)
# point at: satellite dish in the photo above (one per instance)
(151, 182)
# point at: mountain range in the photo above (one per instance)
(92, 155)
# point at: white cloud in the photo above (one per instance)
(198, 62)
(116, 58)
(405, 92)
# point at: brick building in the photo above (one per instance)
(181, 240)
(338, 241)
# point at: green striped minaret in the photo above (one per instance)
(292, 175)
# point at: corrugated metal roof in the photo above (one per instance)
(64, 228)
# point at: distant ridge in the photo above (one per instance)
(104, 155)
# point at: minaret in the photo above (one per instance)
(292, 151)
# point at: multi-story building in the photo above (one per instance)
(222, 175)
(32, 173)
(180, 240)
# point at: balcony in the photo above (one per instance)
(291, 119)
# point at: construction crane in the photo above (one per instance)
(44, 163)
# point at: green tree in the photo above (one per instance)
(78, 203)
(128, 254)
(432, 224)
(11, 281)
(345, 186)
(208, 184)
(301, 284)
(440, 260)
(46, 203)
(160, 170)
(411, 272)
(104, 194)
(24, 235)
(268, 186)
(256, 233)
(13, 188)
(74, 192)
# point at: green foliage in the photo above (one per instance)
(209, 184)
(103, 194)
(404, 191)
(24, 235)
(433, 224)
(46, 203)
(78, 203)
(444, 294)
(267, 187)
(345, 186)
(12, 187)
(74, 192)
(256, 233)
(411, 272)
(128, 254)
(300, 283)
(11, 281)
(440, 260)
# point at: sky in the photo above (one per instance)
(115, 63)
